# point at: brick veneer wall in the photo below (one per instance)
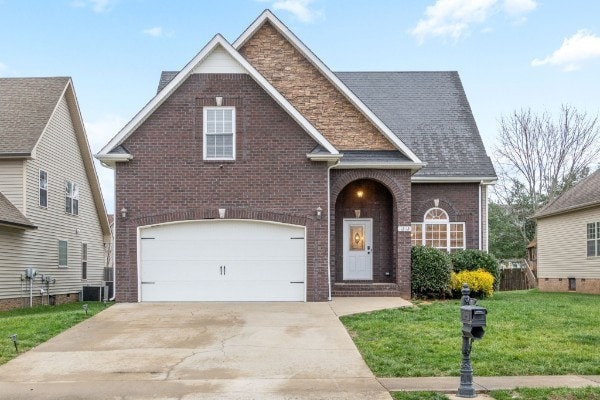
(310, 92)
(397, 182)
(271, 178)
(582, 285)
(23, 302)
(459, 200)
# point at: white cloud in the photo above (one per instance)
(299, 8)
(580, 47)
(518, 7)
(157, 31)
(98, 6)
(99, 134)
(455, 18)
(452, 18)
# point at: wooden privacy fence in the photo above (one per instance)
(516, 279)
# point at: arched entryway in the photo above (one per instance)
(364, 233)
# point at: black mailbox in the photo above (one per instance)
(473, 319)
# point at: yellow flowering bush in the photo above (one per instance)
(480, 282)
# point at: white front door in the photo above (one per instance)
(358, 249)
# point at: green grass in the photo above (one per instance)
(588, 393)
(528, 333)
(36, 325)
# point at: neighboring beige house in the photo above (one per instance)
(53, 224)
(568, 240)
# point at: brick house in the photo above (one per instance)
(256, 173)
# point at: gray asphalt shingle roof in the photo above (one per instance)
(26, 105)
(428, 111)
(585, 194)
(10, 215)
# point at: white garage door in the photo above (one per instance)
(222, 260)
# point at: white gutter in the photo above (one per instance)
(329, 227)
(388, 165)
(455, 179)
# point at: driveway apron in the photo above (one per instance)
(197, 350)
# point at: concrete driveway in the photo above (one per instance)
(197, 350)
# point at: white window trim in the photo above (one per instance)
(84, 260)
(596, 227)
(448, 224)
(204, 134)
(40, 188)
(58, 261)
(73, 197)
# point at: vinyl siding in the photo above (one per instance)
(11, 182)
(562, 249)
(58, 154)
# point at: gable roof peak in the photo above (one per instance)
(281, 28)
(218, 40)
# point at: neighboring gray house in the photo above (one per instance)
(568, 240)
(52, 216)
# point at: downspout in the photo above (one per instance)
(329, 227)
(480, 224)
(113, 238)
(487, 223)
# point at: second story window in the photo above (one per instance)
(71, 198)
(219, 133)
(43, 188)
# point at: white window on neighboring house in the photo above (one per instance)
(219, 133)
(43, 193)
(84, 262)
(71, 198)
(63, 256)
(593, 239)
(437, 231)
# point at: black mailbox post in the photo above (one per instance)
(473, 318)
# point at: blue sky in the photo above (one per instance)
(510, 54)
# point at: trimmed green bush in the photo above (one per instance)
(472, 260)
(480, 282)
(430, 274)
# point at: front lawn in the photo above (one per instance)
(528, 333)
(588, 393)
(36, 325)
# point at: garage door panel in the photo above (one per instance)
(182, 261)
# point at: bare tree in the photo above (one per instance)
(537, 159)
(547, 156)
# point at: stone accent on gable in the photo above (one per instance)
(342, 124)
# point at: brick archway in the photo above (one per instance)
(392, 275)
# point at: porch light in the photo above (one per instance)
(360, 194)
(319, 212)
(124, 212)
